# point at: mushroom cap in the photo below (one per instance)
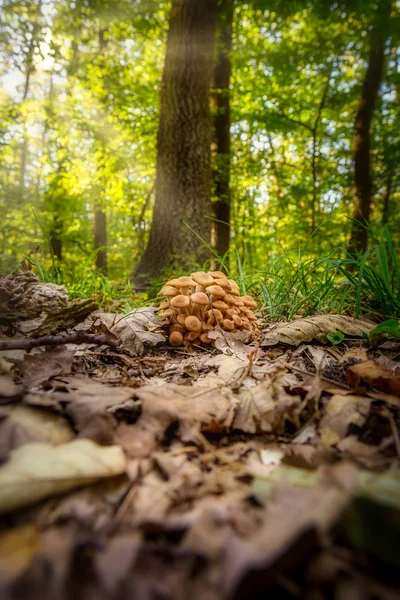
(168, 290)
(182, 282)
(249, 301)
(177, 327)
(202, 278)
(216, 290)
(237, 320)
(170, 312)
(204, 338)
(216, 314)
(175, 338)
(199, 298)
(218, 274)
(229, 298)
(220, 305)
(224, 283)
(234, 287)
(192, 323)
(180, 301)
(191, 336)
(228, 324)
(181, 319)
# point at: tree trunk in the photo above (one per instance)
(100, 240)
(221, 146)
(182, 207)
(362, 128)
(100, 217)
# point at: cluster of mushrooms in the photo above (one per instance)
(195, 305)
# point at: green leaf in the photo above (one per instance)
(335, 338)
(391, 327)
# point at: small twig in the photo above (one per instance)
(78, 337)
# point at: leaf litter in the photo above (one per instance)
(137, 470)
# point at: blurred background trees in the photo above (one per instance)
(300, 139)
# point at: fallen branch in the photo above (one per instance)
(78, 337)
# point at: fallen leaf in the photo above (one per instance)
(135, 329)
(294, 519)
(192, 408)
(341, 411)
(371, 374)
(41, 366)
(25, 424)
(17, 549)
(8, 390)
(233, 344)
(266, 406)
(37, 471)
(314, 328)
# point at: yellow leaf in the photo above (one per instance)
(37, 471)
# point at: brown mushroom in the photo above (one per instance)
(220, 305)
(168, 290)
(216, 292)
(199, 301)
(181, 318)
(183, 283)
(249, 301)
(217, 274)
(203, 280)
(180, 302)
(177, 327)
(191, 336)
(175, 338)
(228, 324)
(192, 323)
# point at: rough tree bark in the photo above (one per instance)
(183, 178)
(221, 146)
(100, 217)
(362, 128)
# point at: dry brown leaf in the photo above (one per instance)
(342, 411)
(193, 408)
(133, 330)
(17, 549)
(8, 389)
(38, 367)
(232, 344)
(314, 328)
(293, 520)
(371, 374)
(26, 424)
(37, 471)
(266, 406)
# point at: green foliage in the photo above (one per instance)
(79, 101)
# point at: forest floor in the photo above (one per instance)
(131, 469)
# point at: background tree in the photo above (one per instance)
(183, 180)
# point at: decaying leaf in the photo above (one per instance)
(192, 408)
(135, 329)
(371, 374)
(17, 548)
(38, 367)
(8, 389)
(314, 328)
(342, 411)
(25, 424)
(232, 344)
(266, 406)
(36, 471)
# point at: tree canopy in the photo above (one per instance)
(80, 107)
